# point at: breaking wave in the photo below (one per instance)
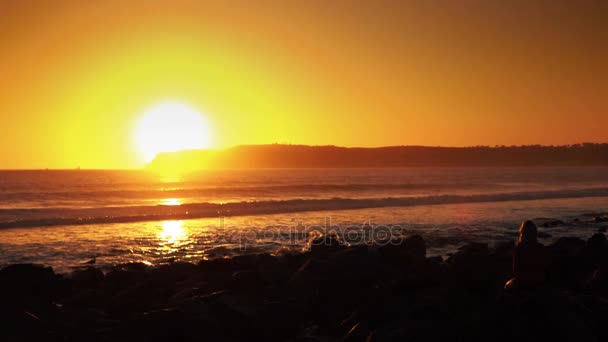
(40, 217)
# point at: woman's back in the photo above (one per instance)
(529, 260)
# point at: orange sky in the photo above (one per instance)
(76, 75)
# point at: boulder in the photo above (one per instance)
(402, 252)
(567, 247)
(595, 252)
(566, 263)
(30, 282)
(87, 277)
(325, 244)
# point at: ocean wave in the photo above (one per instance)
(244, 191)
(41, 217)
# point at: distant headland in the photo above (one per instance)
(305, 156)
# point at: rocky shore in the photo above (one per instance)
(331, 293)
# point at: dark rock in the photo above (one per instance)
(598, 219)
(415, 247)
(325, 244)
(595, 252)
(471, 250)
(552, 223)
(247, 280)
(87, 277)
(601, 229)
(565, 263)
(567, 246)
(218, 265)
(133, 267)
(597, 241)
(244, 262)
(402, 252)
(474, 268)
(599, 279)
(30, 281)
(504, 248)
(436, 259)
(313, 274)
(382, 292)
(358, 332)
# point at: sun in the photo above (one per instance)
(170, 127)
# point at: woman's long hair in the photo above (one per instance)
(527, 232)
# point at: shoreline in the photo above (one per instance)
(233, 240)
(332, 292)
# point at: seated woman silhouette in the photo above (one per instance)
(529, 257)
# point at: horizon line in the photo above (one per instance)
(77, 168)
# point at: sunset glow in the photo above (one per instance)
(347, 73)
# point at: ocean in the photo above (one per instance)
(66, 218)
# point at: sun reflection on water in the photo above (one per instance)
(173, 232)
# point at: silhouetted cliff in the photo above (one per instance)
(303, 156)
